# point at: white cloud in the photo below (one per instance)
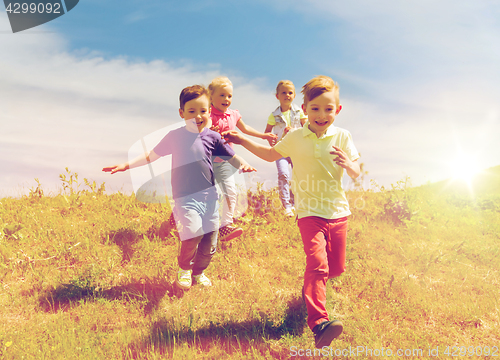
(136, 16)
(428, 74)
(428, 79)
(62, 109)
(420, 141)
(388, 27)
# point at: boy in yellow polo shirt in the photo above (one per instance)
(320, 153)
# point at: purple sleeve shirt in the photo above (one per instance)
(192, 170)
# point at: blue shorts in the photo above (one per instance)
(196, 218)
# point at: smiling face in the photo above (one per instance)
(222, 97)
(196, 113)
(285, 94)
(321, 112)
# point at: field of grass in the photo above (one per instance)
(85, 275)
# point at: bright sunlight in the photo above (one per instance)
(465, 167)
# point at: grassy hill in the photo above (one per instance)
(486, 183)
(86, 275)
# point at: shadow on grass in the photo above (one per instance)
(126, 238)
(150, 291)
(65, 296)
(230, 337)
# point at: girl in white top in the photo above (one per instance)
(286, 117)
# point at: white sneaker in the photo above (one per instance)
(202, 279)
(183, 279)
(289, 213)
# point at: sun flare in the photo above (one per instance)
(465, 167)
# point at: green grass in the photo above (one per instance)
(85, 275)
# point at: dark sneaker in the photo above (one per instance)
(229, 232)
(325, 332)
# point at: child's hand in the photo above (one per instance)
(342, 159)
(215, 128)
(287, 129)
(241, 164)
(232, 136)
(246, 168)
(115, 168)
(271, 138)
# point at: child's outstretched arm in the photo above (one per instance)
(241, 164)
(247, 129)
(264, 152)
(352, 167)
(143, 159)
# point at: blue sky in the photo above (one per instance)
(419, 80)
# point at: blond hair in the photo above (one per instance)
(284, 82)
(319, 85)
(219, 81)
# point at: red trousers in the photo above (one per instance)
(325, 247)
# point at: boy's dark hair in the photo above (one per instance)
(190, 93)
